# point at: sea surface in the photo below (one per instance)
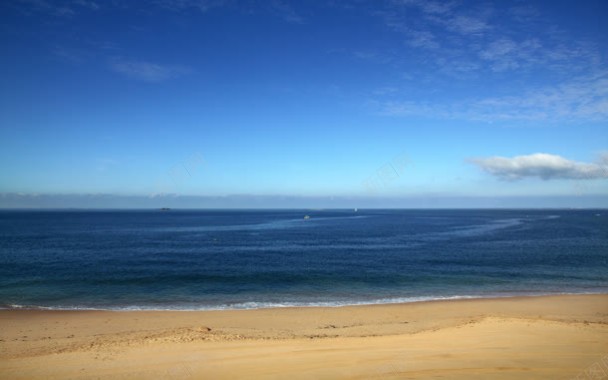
(236, 259)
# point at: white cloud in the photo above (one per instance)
(542, 165)
(147, 71)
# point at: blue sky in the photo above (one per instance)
(361, 103)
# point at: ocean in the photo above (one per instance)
(239, 259)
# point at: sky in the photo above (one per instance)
(227, 103)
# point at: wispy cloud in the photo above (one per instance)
(422, 39)
(506, 54)
(147, 71)
(435, 8)
(580, 99)
(583, 98)
(542, 165)
(87, 4)
(68, 55)
(496, 39)
(467, 25)
(180, 5)
(66, 8)
(286, 11)
(280, 8)
(437, 16)
(538, 73)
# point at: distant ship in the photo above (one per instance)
(306, 217)
(356, 209)
(165, 209)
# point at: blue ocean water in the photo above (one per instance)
(218, 259)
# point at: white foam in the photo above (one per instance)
(271, 305)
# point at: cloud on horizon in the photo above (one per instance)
(247, 201)
(542, 165)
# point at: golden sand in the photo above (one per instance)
(555, 337)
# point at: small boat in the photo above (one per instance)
(306, 217)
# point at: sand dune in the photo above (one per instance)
(558, 337)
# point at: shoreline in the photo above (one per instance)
(327, 304)
(550, 337)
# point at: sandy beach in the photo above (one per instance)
(550, 337)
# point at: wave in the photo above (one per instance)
(288, 304)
